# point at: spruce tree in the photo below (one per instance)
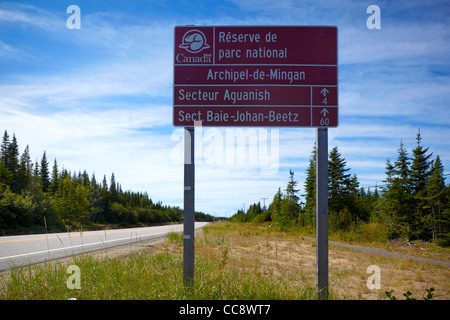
(86, 181)
(113, 188)
(25, 173)
(12, 164)
(104, 184)
(93, 182)
(401, 194)
(291, 207)
(4, 148)
(54, 183)
(44, 173)
(421, 222)
(420, 167)
(9, 163)
(387, 213)
(338, 182)
(310, 188)
(437, 199)
(5, 175)
(275, 206)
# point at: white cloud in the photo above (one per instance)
(28, 15)
(114, 80)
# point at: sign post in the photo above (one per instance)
(189, 198)
(264, 76)
(322, 212)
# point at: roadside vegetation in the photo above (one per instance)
(233, 261)
(412, 204)
(150, 274)
(37, 199)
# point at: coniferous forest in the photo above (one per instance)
(39, 196)
(412, 203)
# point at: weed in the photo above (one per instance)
(408, 294)
(175, 237)
(219, 241)
(224, 258)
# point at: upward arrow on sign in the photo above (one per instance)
(324, 92)
(324, 112)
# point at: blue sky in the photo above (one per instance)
(100, 98)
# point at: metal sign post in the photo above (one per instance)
(189, 196)
(322, 212)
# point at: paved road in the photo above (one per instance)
(386, 253)
(29, 249)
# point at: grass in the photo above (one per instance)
(156, 274)
(143, 276)
(233, 261)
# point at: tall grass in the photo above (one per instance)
(151, 275)
(144, 276)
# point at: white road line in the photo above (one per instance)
(77, 246)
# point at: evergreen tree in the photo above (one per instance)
(63, 200)
(275, 206)
(82, 206)
(292, 198)
(338, 182)
(437, 199)
(85, 178)
(420, 167)
(54, 183)
(9, 167)
(12, 164)
(443, 237)
(288, 210)
(421, 222)
(291, 191)
(6, 176)
(385, 209)
(25, 170)
(310, 188)
(36, 171)
(97, 201)
(93, 182)
(400, 195)
(104, 183)
(4, 149)
(44, 173)
(113, 189)
(253, 211)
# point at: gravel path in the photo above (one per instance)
(386, 253)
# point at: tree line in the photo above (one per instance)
(33, 197)
(413, 203)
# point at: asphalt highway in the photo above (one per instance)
(29, 249)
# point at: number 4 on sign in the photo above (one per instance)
(324, 92)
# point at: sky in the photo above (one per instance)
(100, 98)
